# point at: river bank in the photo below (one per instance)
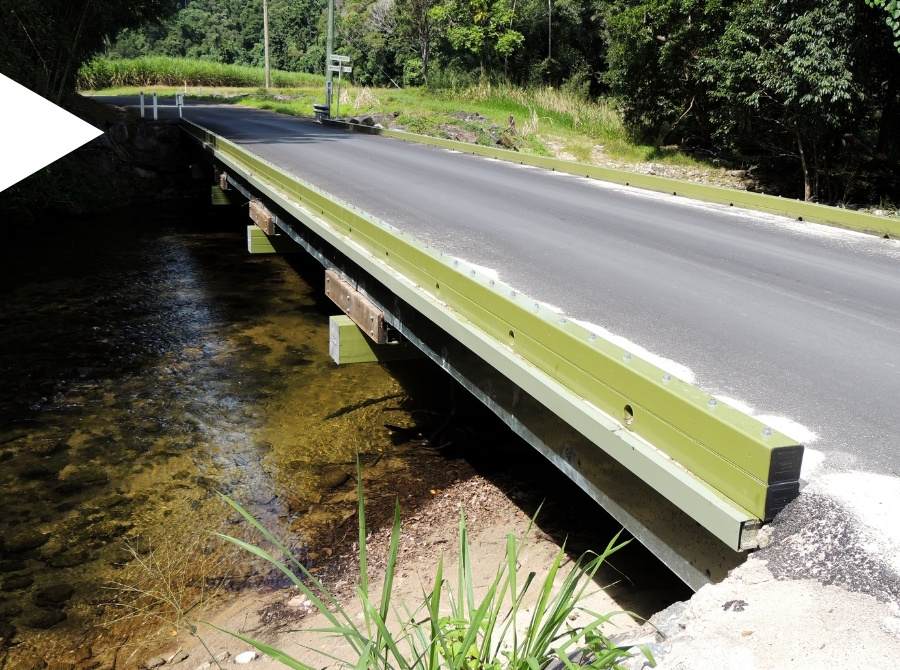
(757, 619)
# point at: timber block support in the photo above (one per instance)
(260, 243)
(220, 197)
(347, 343)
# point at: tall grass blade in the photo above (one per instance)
(363, 563)
(269, 650)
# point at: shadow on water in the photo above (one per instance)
(147, 362)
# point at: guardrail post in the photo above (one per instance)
(142, 104)
(179, 102)
(155, 113)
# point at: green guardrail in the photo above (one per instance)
(795, 209)
(752, 465)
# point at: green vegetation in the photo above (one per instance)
(549, 121)
(802, 93)
(892, 8)
(808, 87)
(44, 42)
(490, 632)
(104, 73)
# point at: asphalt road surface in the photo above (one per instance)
(794, 319)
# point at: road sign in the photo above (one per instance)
(339, 68)
(346, 69)
(340, 59)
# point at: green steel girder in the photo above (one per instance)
(754, 467)
(795, 209)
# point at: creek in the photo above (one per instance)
(147, 362)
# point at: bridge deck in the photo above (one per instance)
(794, 319)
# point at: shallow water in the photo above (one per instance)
(147, 362)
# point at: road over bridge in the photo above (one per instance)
(794, 322)
(795, 319)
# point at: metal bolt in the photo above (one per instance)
(491, 282)
(455, 263)
(562, 321)
(472, 272)
(512, 294)
(667, 377)
(627, 357)
(592, 337)
(767, 431)
(712, 402)
(537, 305)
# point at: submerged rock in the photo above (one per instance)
(10, 609)
(7, 633)
(333, 476)
(43, 619)
(12, 566)
(68, 559)
(16, 583)
(55, 594)
(26, 540)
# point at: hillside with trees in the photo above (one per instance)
(804, 91)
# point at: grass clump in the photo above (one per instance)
(103, 73)
(451, 628)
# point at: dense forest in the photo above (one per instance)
(793, 86)
(808, 85)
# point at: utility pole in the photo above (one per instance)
(266, 39)
(549, 31)
(329, 48)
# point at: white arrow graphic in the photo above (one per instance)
(34, 132)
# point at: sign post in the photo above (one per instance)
(329, 45)
(340, 69)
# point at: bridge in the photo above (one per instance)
(625, 325)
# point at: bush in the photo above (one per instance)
(477, 634)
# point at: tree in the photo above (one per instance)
(480, 28)
(417, 26)
(805, 85)
(42, 43)
(794, 78)
(655, 47)
(892, 7)
(780, 80)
